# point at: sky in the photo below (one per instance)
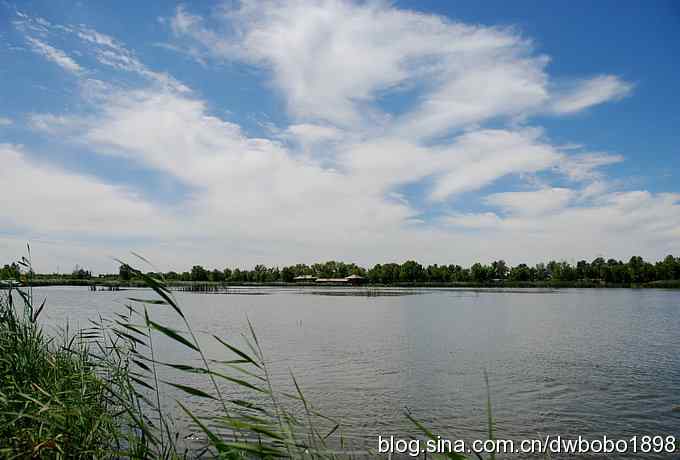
(235, 133)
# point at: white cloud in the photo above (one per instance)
(53, 124)
(51, 200)
(580, 167)
(474, 220)
(332, 59)
(491, 86)
(258, 200)
(479, 158)
(55, 55)
(4, 121)
(617, 224)
(591, 92)
(238, 179)
(532, 203)
(312, 134)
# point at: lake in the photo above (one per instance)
(567, 362)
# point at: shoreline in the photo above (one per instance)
(199, 286)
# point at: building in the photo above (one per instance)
(355, 279)
(352, 279)
(332, 280)
(304, 279)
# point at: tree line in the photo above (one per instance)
(610, 271)
(600, 270)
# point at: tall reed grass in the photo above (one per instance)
(52, 404)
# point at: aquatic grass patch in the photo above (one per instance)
(70, 397)
(52, 404)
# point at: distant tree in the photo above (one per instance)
(582, 270)
(10, 271)
(521, 272)
(124, 272)
(354, 269)
(217, 276)
(617, 272)
(596, 268)
(500, 269)
(458, 273)
(411, 271)
(435, 273)
(391, 273)
(375, 274)
(480, 273)
(636, 269)
(541, 272)
(80, 273)
(668, 269)
(287, 274)
(199, 273)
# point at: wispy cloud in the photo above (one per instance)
(114, 54)
(586, 166)
(588, 93)
(55, 55)
(106, 50)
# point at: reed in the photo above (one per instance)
(52, 404)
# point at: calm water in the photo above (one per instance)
(568, 362)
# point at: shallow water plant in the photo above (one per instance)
(52, 404)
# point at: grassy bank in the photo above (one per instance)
(52, 403)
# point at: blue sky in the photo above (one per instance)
(235, 133)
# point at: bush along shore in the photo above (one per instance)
(102, 392)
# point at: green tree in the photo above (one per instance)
(411, 271)
(499, 269)
(636, 266)
(480, 273)
(582, 270)
(287, 274)
(10, 271)
(124, 272)
(521, 272)
(80, 273)
(199, 273)
(217, 276)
